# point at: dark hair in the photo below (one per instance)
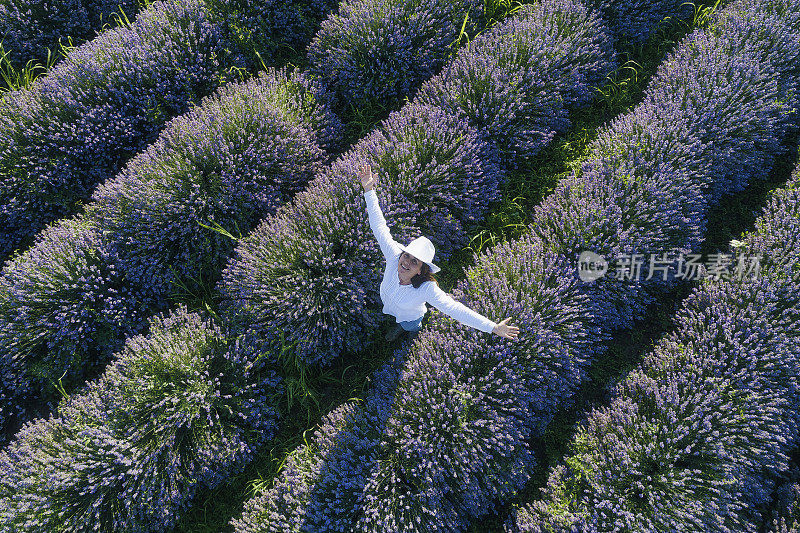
(424, 275)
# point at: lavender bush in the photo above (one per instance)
(181, 406)
(457, 400)
(65, 307)
(246, 150)
(77, 126)
(312, 271)
(761, 37)
(768, 30)
(28, 28)
(616, 214)
(696, 435)
(374, 52)
(517, 83)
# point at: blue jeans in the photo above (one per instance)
(412, 325)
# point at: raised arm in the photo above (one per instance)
(447, 305)
(377, 223)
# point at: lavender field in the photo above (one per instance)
(191, 335)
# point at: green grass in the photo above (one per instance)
(15, 78)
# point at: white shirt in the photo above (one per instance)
(405, 302)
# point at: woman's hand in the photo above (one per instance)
(368, 179)
(504, 330)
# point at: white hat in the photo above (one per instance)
(422, 249)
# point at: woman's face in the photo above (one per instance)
(407, 267)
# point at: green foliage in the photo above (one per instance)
(359, 122)
(120, 19)
(703, 13)
(14, 79)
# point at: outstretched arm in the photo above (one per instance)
(388, 245)
(455, 309)
(447, 305)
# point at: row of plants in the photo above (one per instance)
(451, 442)
(31, 30)
(110, 97)
(697, 435)
(68, 303)
(17, 459)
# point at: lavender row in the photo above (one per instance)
(346, 426)
(455, 442)
(78, 125)
(179, 410)
(695, 437)
(312, 270)
(68, 303)
(28, 28)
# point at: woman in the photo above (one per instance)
(408, 281)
